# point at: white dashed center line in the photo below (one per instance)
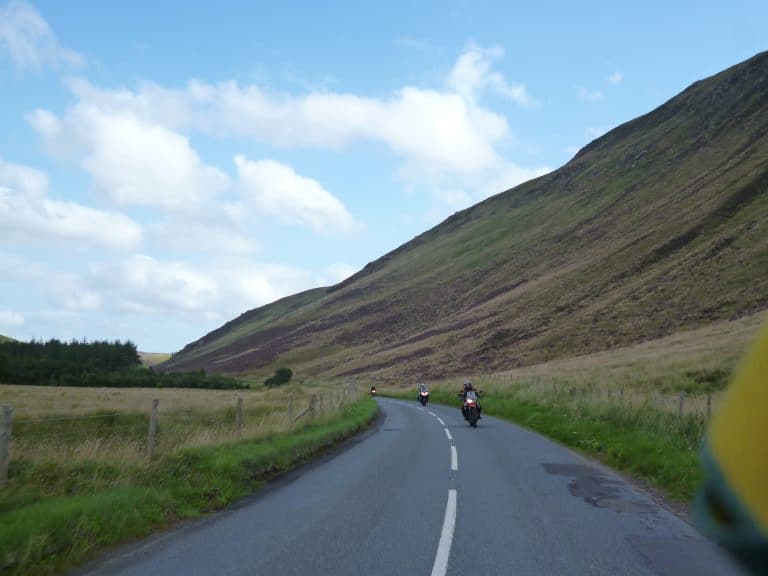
(447, 433)
(440, 567)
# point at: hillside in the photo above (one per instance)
(660, 225)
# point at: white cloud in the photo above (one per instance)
(435, 131)
(143, 283)
(133, 161)
(18, 268)
(132, 142)
(615, 78)
(430, 128)
(261, 284)
(10, 319)
(72, 294)
(146, 285)
(201, 236)
(26, 211)
(589, 95)
(472, 75)
(277, 190)
(28, 180)
(29, 40)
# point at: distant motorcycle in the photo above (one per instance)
(373, 391)
(424, 397)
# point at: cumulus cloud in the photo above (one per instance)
(147, 285)
(589, 95)
(277, 190)
(615, 78)
(219, 237)
(472, 75)
(27, 211)
(29, 40)
(445, 130)
(143, 283)
(28, 180)
(133, 161)
(72, 293)
(132, 141)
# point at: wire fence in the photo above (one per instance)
(701, 405)
(139, 437)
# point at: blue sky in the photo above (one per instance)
(165, 166)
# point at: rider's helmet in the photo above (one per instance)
(467, 384)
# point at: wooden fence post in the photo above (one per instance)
(5, 443)
(680, 406)
(312, 402)
(152, 430)
(321, 403)
(239, 417)
(290, 407)
(709, 405)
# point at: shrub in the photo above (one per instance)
(281, 376)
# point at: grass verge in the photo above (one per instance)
(654, 445)
(56, 516)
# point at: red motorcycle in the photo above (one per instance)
(472, 410)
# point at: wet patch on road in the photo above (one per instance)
(599, 491)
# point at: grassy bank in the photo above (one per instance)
(55, 515)
(622, 406)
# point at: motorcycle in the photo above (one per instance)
(373, 391)
(470, 408)
(473, 414)
(423, 397)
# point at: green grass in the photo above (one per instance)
(55, 516)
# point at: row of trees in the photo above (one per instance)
(102, 363)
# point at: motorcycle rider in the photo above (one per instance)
(422, 388)
(373, 391)
(468, 387)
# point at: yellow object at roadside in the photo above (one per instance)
(732, 505)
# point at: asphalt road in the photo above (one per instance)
(424, 493)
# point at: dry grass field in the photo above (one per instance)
(110, 425)
(651, 374)
(153, 358)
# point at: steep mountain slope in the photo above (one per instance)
(659, 225)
